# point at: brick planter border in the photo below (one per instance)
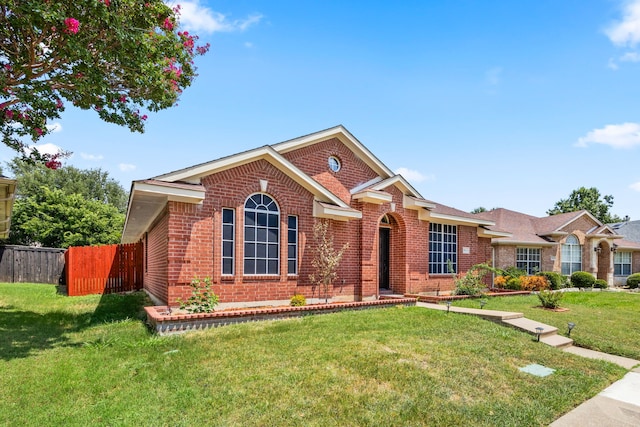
(491, 293)
(163, 323)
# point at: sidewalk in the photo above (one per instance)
(618, 405)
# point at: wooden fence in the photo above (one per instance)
(104, 269)
(20, 264)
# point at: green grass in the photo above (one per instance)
(605, 321)
(91, 361)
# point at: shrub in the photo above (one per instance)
(601, 284)
(550, 299)
(472, 283)
(500, 281)
(533, 283)
(514, 284)
(512, 272)
(202, 299)
(633, 281)
(298, 300)
(582, 279)
(556, 280)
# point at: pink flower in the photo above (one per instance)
(168, 25)
(144, 117)
(123, 98)
(8, 114)
(106, 2)
(59, 103)
(38, 131)
(73, 26)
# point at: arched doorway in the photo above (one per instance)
(392, 275)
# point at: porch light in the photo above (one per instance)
(448, 305)
(570, 325)
(614, 248)
(483, 302)
(539, 330)
(597, 249)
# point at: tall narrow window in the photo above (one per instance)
(228, 240)
(622, 263)
(443, 249)
(571, 256)
(261, 235)
(528, 259)
(292, 245)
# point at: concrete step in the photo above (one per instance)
(625, 362)
(494, 315)
(557, 341)
(530, 326)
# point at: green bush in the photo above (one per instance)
(633, 281)
(582, 279)
(601, 284)
(202, 299)
(513, 283)
(512, 272)
(556, 280)
(550, 299)
(298, 300)
(472, 283)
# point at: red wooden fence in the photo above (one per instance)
(103, 269)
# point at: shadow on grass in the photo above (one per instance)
(23, 332)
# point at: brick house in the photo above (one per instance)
(246, 221)
(564, 243)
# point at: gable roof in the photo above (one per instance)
(343, 135)
(528, 229)
(629, 229)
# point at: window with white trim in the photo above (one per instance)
(228, 240)
(443, 249)
(571, 256)
(622, 263)
(292, 244)
(261, 235)
(528, 259)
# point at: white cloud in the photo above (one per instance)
(195, 17)
(627, 31)
(248, 45)
(92, 157)
(630, 57)
(127, 167)
(54, 127)
(47, 148)
(413, 175)
(493, 76)
(625, 135)
(612, 64)
(635, 186)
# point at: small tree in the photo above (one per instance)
(326, 259)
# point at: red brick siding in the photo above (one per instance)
(583, 224)
(312, 160)
(155, 273)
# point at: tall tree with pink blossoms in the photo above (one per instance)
(120, 58)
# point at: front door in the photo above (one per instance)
(383, 258)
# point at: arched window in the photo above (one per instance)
(261, 235)
(571, 256)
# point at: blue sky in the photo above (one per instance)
(497, 103)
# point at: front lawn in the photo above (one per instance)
(605, 321)
(91, 361)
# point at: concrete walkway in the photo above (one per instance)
(617, 405)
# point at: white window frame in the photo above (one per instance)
(228, 229)
(264, 232)
(571, 253)
(292, 245)
(619, 263)
(529, 259)
(443, 248)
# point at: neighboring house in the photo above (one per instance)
(7, 196)
(564, 243)
(246, 221)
